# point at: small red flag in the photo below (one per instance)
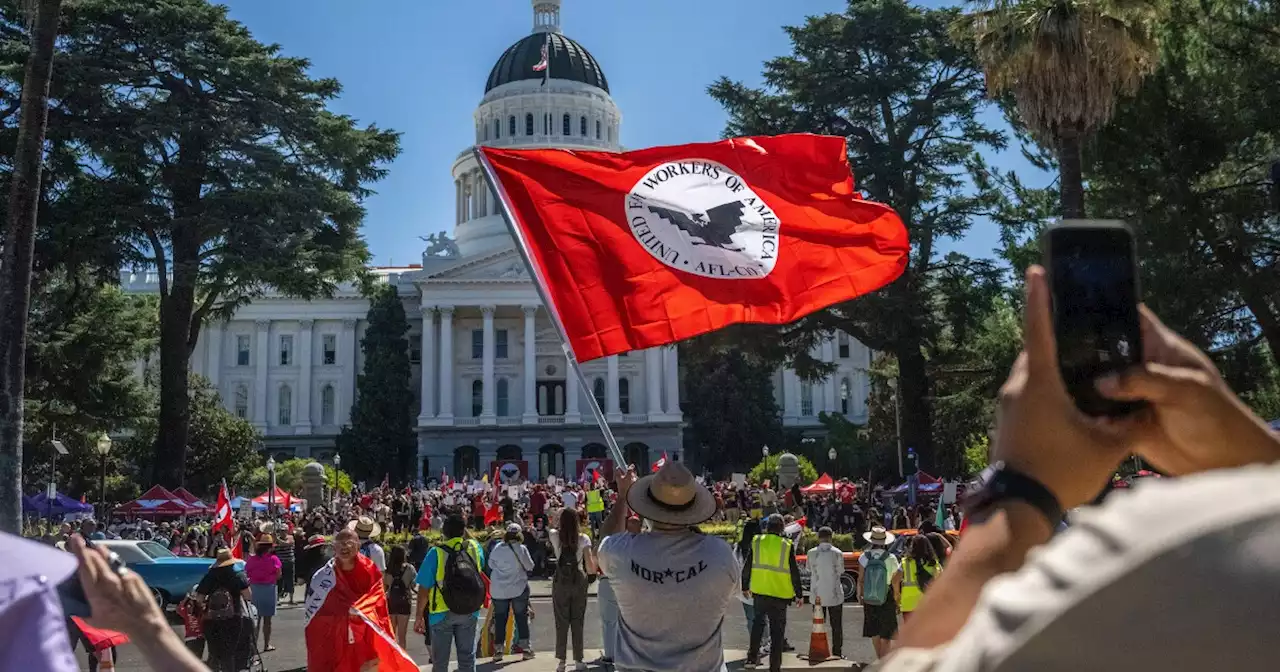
(661, 462)
(222, 511)
(645, 248)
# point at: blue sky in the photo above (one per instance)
(419, 66)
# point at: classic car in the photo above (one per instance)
(849, 580)
(168, 576)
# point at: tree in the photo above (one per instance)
(218, 164)
(767, 470)
(855, 456)
(380, 442)
(1065, 62)
(730, 405)
(253, 479)
(18, 249)
(888, 77)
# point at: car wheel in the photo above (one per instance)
(161, 598)
(849, 586)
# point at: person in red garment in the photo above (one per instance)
(348, 627)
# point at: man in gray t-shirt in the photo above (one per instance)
(673, 584)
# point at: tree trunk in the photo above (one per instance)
(15, 262)
(917, 415)
(176, 311)
(1070, 175)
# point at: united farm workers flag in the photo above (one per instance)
(645, 248)
(347, 623)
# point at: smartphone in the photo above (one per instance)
(1093, 280)
(71, 591)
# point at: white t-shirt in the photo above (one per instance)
(891, 563)
(570, 499)
(373, 551)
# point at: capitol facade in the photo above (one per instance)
(488, 366)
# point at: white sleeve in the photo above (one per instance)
(378, 557)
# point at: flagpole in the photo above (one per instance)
(541, 284)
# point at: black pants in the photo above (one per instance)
(569, 606)
(835, 618)
(775, 610)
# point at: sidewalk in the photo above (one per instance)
(542, 588)
(734, 661)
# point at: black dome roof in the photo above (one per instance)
(569, 60)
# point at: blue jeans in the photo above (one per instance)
(443, 634)
(519, 605)
(608, 614)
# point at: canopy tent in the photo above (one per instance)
(60, 505)
(157, 502)
(296, 505)
(282, 498)
(824, 484)
(192, 501)
(928, 485)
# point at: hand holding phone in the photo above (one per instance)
(1093, 281)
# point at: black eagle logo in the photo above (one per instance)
(715, 227)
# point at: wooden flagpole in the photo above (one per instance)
(540, 282)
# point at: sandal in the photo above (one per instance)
(269, 648)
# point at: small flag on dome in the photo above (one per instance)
(542, 64)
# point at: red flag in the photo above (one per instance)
(646, 248)
(661, 462)
(99, 639)
(596, 476)
(345, 629)
(492, 514)
(222, 511)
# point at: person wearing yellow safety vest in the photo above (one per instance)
(446, 625)
(771, 577)
(919, 568)
(595, 508)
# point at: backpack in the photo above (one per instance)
(364, 548)
(221, 606)
(875, 582)
(568, 573)
(462, 587)
(398, 600)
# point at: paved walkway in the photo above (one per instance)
(734, 660)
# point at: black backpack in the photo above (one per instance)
(462, 587)
(569, 572)
(221, 606)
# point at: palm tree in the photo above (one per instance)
(1065, 62)
(18, 250)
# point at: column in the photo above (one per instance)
(653, 382)
(427, 366)
(572, 415)
(446, 363)
(790, 394)
(457, 201)
(612, 412)
(832, 381)
(305, 337)
(214, 345)
(672, 371)
(260, 372)
(531, 365)
(347, 358)
(488, 395)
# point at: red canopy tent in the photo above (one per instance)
(192, 501)
(824, 484)
(282, 498)
(156, 502)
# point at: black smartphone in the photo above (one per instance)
(71, 591)
(1093, 279)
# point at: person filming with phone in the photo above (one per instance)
(1152, 579)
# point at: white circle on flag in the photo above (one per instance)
(700, 217)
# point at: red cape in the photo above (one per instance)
(345, 630)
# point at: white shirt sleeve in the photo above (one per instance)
(378, 557)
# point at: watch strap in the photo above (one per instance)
(1006, 483)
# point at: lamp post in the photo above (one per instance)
(831, 460)
(103, 446)
(765, 451)
(271, 487)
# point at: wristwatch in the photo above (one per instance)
(1000, 482)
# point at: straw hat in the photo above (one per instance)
(267, 528)
(365, 527)
(266, 540)
(314, 541)
(672, 497)
(878, 536)
(224, 558)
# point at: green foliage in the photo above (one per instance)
(211, 159)
(855, 453)
(730, 405)
(380, 442)
(767, 469)
(252, 479)
(887, 76)
(977, 454)
(337, 479)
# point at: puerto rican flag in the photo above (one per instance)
(346, 630)
(541, 66)
(222, 512)
(661, 462)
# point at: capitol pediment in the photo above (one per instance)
(504, 266)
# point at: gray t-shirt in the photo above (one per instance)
(673, 589)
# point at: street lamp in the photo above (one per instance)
(765, 451)
(337, 461)
(271, 487)
(831, 460)
(103, 446)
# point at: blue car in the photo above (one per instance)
(168, 576)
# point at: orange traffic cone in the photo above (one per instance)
(819, 649)
(106, 662)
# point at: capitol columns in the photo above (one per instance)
(530, 365)
(263, 336)
(304, 361)
(572, 394)
(427, 366)
(829, 385)
(653, 383)
(612, 411)
(213, 367)
(671, 369)
(487, 389)
(446, 364)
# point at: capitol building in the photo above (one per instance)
(488, 366)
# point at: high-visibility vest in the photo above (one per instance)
(595, 503)
(437, 599)
(771, 567)
(911, 591)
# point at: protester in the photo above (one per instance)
(826, 565)
(509, 567)
(227, 628)
(879, 590)
(312, 558)
(285, 547)
(398, 581)
(771, 577)
(919, 567)
(263, 570)
(450, 594)
(574, 564)
(367, 528)
(670, 570)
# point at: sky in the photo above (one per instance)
(419, 67)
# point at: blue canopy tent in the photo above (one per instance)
(296, 507)
(60, 505)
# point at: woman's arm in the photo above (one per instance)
(589, 556)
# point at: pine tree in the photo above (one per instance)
(380, 440)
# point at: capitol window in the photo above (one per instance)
(477, 343)
(567, 126)
(242, 401)
(328, 400)
(500, 344)
(845, 396)
(842, 344)
(486, 131)
(285, 411)
(597, 129)
(511, 126)
(624, 395)
(806, 400)
(497, 129)
(504, 396)
(528, 124)
(597, 391)
(582, 127)
(242, 350)
(329, 346)
(286, 350)
(477, 398)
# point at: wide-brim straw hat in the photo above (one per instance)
(224, 558)
(365, 527)
(672, 497)
(314, 541)
(267, 528)
(879, 536)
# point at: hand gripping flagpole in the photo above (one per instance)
(541, 283)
